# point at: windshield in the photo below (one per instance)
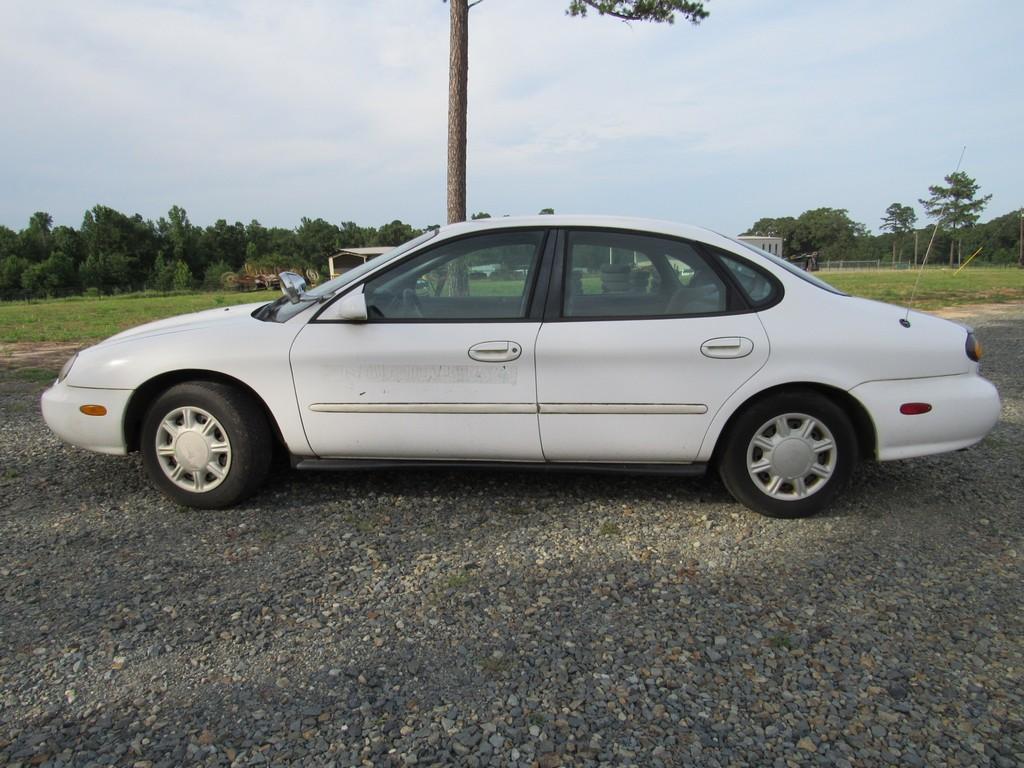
(790, 267)
(281, 310)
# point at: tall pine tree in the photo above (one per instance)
(955, 206)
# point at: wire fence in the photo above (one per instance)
(846, 265)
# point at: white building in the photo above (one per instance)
(771, 244)
(347, 258)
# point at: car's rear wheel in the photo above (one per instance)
(789, 455)
(206, 444)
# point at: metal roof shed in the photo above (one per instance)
(343, 260)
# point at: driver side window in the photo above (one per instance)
(484, 277)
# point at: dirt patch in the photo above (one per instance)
(48, 355)
(979, 311)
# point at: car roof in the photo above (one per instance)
(687, 231)
(649, 226)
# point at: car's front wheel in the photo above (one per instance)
(206, 444)
(789, 455)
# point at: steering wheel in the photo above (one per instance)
(386, 305)
(411, 306)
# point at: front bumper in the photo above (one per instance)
(104, 434)
(965, 408)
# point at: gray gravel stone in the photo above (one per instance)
(513, 619)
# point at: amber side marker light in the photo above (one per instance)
(93, 410)
(973, 348)
(914, 409)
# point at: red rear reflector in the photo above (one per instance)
(914, 409)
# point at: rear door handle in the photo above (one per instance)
(495, 351)
(727, 347)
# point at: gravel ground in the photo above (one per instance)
(512, 619)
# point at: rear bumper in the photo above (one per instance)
(965, 408)
(104, 434)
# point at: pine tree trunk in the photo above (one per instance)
(458, 75)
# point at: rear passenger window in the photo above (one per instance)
(611, 274)
(758, 289)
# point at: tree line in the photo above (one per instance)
(113, 252)
(954, 207)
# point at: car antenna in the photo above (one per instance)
(905, 320)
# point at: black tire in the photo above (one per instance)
(792, 485)
(230, 417)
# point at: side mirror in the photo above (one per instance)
(350, 308)
(293, 286)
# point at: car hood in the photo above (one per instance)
(194, 321)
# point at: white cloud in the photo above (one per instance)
(243, 109)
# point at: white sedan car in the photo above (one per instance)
(566, 342)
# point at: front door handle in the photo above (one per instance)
(727, 346)
(495, 351)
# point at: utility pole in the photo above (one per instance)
(458, 74)
(915, 247)
(1020, 257)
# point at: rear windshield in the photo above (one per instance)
(790, 267)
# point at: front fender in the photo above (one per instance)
(252, 352)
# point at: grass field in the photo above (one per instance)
(84, 320)
(938, 287)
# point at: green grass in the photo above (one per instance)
(446, 586)
(495, 666)
(86, 319)
(506, 288)
(35, 374)
(456, 581)
(938, 287)
(361, 524)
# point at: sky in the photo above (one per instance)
(260, 109)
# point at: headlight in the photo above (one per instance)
(973, 347)
(67, 368)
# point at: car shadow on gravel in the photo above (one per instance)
(547, 483)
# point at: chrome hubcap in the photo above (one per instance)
(193, 449)
(791, 456)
